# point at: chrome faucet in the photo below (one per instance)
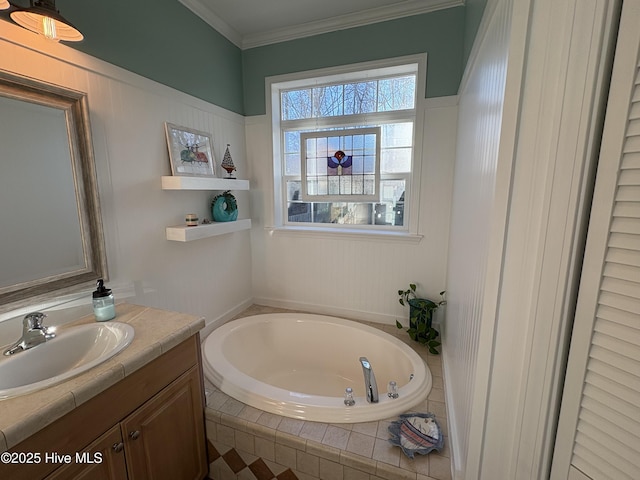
(370, 384)
(33, 333)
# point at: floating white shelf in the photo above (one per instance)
(182, 233)
(203, 183)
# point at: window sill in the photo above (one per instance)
(354, 233)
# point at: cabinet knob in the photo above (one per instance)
(118, 447)
(135, 434)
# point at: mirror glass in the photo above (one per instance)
(50, 230)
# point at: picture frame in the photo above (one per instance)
(190, 152)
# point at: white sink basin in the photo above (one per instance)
(73, 351)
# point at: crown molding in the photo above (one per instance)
(343, 22)
(208, 15)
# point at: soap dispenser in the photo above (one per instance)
(104, 306)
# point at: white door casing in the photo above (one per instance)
(598, 433)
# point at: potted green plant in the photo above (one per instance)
(421, 317)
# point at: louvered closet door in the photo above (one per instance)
(599, 429)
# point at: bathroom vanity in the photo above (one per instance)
(138, 416)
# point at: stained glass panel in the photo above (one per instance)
(369, 185)
(323, 187)
(346, 172)
(358, 185)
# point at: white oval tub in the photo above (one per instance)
(299, 365)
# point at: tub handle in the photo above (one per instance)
(392, 390)
(349, 401)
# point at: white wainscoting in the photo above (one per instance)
(209, 277)
(477, 225)
(530, 108)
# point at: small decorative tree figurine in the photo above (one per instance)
(421, 317)
(227, 163)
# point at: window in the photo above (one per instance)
(344, 147)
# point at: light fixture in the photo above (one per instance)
(43, 18)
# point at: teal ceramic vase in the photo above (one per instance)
(224, 208)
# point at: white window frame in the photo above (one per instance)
(274, 85)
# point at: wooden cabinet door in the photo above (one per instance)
(102, 460)
(164, 438)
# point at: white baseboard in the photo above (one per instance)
(211, 325)
(385, 319)
(327, 310)
(457, 471)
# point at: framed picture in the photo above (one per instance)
(190, 152)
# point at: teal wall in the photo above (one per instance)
(161, 40)
(166, 42)
(440, 34)
(474, 9)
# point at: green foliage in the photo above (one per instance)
(420, 318)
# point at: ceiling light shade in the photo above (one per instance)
(4, 4)
(43, 18)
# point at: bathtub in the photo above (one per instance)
(299, 365)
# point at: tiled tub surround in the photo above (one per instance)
(156, 332)
(247, 443)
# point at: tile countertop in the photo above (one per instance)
(156, 332)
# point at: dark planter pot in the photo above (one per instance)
(420, 317)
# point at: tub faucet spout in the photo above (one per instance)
(370, 384)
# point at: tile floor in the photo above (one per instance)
(247, 443)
